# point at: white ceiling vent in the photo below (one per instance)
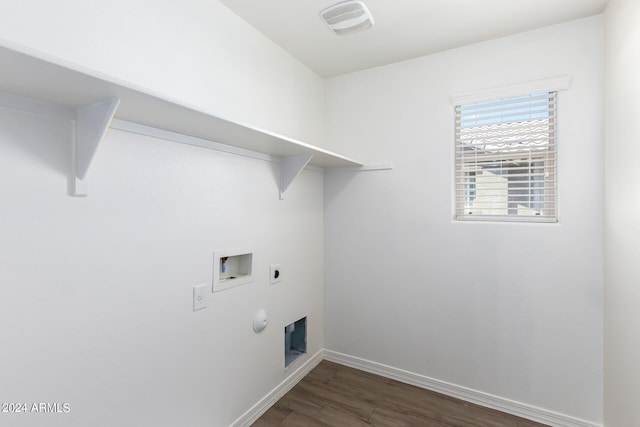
(347, 17)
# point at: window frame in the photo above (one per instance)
(536, 87)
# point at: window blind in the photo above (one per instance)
(505, 159)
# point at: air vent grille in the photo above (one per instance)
(347, 17)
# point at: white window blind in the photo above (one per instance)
(505, 155)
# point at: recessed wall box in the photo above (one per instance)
(232, 268)
(295, 341)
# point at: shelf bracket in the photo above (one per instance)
(290, 168)
(91, 125)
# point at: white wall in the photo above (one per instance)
(96, 292)
(513, 310)
(196, 51)
(95, 297)
(622, 249)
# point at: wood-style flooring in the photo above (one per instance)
(335, 395)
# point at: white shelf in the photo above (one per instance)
(95, 102)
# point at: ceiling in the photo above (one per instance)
(403, 29)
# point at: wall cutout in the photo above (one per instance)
(295, 341)
(231, 268)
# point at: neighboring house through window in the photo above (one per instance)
(506, 157)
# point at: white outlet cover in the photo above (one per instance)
(200, 296)
(275, 274)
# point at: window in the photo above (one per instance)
(505, 159)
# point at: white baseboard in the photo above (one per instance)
(469, 395)
(274, 395)
(473, 396)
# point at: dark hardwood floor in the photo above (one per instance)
(335, 395)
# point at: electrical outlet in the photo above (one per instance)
(276, 274)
